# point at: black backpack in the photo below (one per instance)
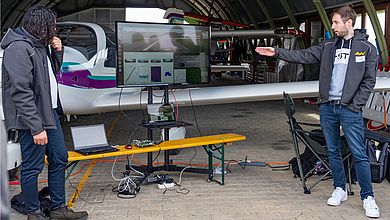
(308, 160)
(378, 165)
(17, 202)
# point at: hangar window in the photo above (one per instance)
(138, 15)
(370, 29)
(358, 22)
(110, 60)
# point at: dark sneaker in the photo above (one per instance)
(37, 215)
(67, 213)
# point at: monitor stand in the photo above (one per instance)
(167, 166)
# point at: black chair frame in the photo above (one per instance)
(298, 133)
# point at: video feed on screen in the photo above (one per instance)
(150, 54)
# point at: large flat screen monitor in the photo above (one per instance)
(161, 54)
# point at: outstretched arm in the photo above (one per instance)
(305, 56)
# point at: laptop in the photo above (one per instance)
(90, 139)
(161, 112)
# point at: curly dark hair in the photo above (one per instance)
(40, 22)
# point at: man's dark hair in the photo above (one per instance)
(40, 22)
(346, 13)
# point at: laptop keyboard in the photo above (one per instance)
(98, 149)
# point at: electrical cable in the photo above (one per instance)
(132, 134)
(178, 184)
(140, 105)
(158, 154)
(181, 173)
(186, 191)
(158, 96)
(189, 163)
(89, 202)
(177, 105)
(237, 162)
(193, 111)
(128, 186)
(120, 109)
(119, 103)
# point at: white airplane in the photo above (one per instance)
(87, 79)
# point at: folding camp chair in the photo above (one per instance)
(312, 143)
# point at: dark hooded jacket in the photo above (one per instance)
(361, 72)
(26, 83)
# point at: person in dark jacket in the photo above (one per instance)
(4, 201)
(347, 76)
(32, 57)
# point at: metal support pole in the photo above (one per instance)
(290, 14)
(266, 14)
(294, 22)
(150, 132)
(223, 163)
(243, 6)
(378, 30)
(210, 154)
(166, 130)
(297, 155)
(323, 16)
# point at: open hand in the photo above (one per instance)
(266, 51)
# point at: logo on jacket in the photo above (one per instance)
(360, 53)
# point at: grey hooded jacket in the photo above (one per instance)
(26, 84)
(4, 201)
(361, 71)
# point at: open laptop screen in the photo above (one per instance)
(88, 136)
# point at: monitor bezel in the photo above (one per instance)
(160, 84)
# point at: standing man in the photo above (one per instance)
(32, 57)
(347, 76)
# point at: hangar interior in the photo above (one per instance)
(263, 191)
(234, 15)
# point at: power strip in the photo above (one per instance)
(165, 185)
(218, 171)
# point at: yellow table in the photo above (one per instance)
(167, 145)
(213, 144)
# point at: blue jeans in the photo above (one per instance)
(33, 163)
(332, 116)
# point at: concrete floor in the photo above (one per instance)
(250, 193)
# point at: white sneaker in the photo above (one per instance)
(371, 208)
(339, 195)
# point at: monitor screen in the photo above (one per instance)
(160, 54)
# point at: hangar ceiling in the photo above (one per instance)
(240, 11)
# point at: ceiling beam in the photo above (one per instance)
(324, 17)
(290, 14)
(266, 13)
(252, 19)
(382, 46)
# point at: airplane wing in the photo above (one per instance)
(92, 101)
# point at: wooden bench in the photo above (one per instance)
(213, 144)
